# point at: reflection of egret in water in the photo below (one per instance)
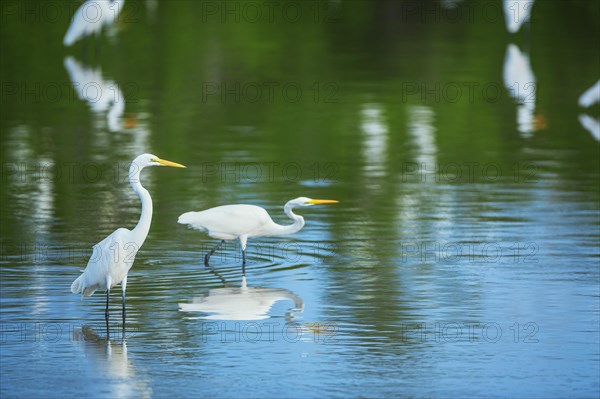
(516, 13)
(591, 124)
(91, 17)
(375, 139)
(415, 204)
(422, 132)
(520, 81)
(110, 360)
(31, 197)
(241, 303)
(103, 96)
(35, 195)
(590, 97)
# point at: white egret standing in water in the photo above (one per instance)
(90, 17)
(113, 257)
(231, 222)
(517, 13)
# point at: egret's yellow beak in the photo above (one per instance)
(322, 202)
(169, 163)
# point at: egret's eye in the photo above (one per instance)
(154, 160)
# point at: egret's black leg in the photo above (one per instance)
(216, 273)
(212, 251)
(124, 314)
(106, 314)
(124, 288)
(243, 262)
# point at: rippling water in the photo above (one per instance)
(462, 259)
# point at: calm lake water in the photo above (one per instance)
(462, 259)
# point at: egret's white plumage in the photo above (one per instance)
(107, 266)
(231, 222)
(517, 13)
(113, 257)
(90, 17)
(591, 96)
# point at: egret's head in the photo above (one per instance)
(304, 201)
(152, 160)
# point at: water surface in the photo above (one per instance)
(462, 259)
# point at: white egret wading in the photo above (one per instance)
(113, 257)
(90, 17)
(232, 222)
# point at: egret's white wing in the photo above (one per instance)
(110, 261)
(590, 96)
(227, 222)
(80, 26)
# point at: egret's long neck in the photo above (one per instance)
(278, 229)
(115, 6)
(143, 227)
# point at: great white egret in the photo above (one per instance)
(516, 13)
(113, 257)
(90, 17)
(231, 222)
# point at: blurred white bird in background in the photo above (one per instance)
(590, 97)
(91, 17)
(113, 257)
(232, 222)
(517, 13)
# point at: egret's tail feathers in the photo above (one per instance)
(79, 287)
(193, 220)
(72, 35)
(76, 285)
(186, 218)
(68, 40)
